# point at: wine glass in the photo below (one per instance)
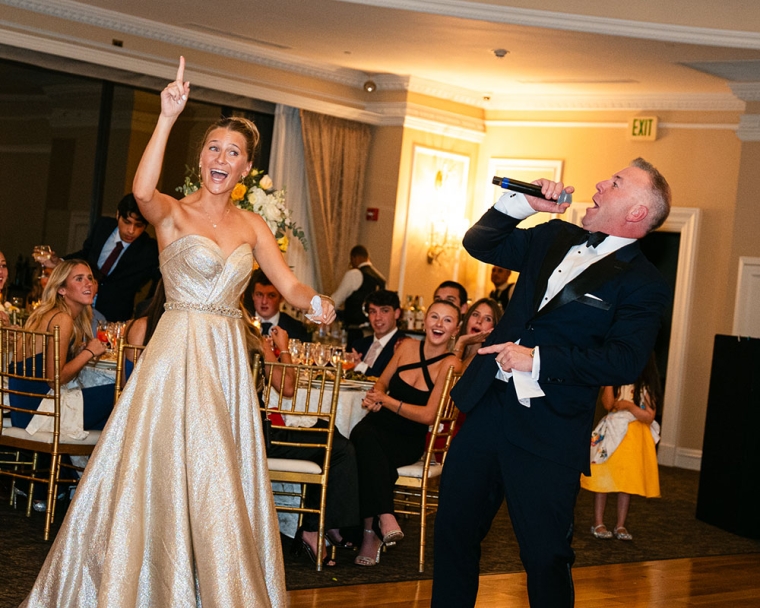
(295, 348)
(336, 356)
(102, 335)
(42, 252)
(321, 353)
(308, 354)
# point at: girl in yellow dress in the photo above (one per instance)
(623, 457)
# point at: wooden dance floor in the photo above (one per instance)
(707, 582)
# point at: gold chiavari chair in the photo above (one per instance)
(318, 387)
(24, 376)
(416, 491)
(124, 353)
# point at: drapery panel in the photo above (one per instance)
(335, 153)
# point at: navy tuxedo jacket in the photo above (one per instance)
(362, 346)
(584, 342)
(137, 266)
(294, 327)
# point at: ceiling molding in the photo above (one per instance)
(714, 102)
(560, 124)
(186, 38)
(746, 91)
(430, 120)
(589, 24)
(749, 127)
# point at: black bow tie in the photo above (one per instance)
(592, 239)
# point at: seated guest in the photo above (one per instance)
(479, 321)
(66, 303)
(453, 292)
(262, 301)
(402, 404)
(502, 289)
(383, 309)
(342, 500)
(124, 258)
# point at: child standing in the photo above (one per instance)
(623, 457)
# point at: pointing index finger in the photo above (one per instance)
(181, 70)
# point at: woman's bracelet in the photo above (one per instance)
(89, 351)
(398, 409)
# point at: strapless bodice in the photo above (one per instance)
(196, 272)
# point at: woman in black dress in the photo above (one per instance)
(402, 405)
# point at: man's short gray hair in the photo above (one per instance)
(661, 197)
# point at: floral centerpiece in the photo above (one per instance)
(257, 193)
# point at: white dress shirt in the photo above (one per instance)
(109, 246)
(363, 366)
(578, 259)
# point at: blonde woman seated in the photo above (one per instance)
(66, 303)
(402, 404)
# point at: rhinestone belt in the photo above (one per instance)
(213, 309)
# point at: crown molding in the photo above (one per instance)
(422, 118)
(749, 127)
(703, 102)
(607, 26)
(746, 91)
(186, 38)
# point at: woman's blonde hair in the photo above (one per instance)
(52, 300)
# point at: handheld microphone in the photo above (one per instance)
(529, 189)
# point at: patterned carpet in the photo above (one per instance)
(664, 528)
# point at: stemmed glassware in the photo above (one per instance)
(42, 252)
(295, 347)
(321, 354)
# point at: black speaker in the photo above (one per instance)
(729, 480)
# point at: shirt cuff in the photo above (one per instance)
(514, 205)
(536, 364)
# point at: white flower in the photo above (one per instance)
(266, 182)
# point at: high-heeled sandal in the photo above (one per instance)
(389, 538)
(365, 560)
(602, 534)
(341, 544)
(622, 534)
(300, 546)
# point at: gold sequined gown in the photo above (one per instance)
(175, 508)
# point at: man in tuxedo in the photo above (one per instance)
(453, 292)
(262, 300)
(583, 315)
(502, 290)
(123, 258)
(383, 309)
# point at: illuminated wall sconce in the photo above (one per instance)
(445, 235)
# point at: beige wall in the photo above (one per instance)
(702, 164)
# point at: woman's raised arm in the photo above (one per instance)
(154, 205)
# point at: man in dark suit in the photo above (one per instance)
(383, 309)
(262, 300)
(123, 258)
(502, 289)
(582, 315)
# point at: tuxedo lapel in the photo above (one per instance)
(554, 256)
(590, 279)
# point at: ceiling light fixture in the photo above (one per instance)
(500, 53)
(370, 86)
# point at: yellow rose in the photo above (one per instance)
(266, 182)
(238, 192)
(283, 243)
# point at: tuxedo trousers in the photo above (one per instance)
(482, 469)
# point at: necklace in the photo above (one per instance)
(224, 214)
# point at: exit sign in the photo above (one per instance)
(642, 128)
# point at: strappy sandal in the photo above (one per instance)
(622, 534)
(601, 532)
